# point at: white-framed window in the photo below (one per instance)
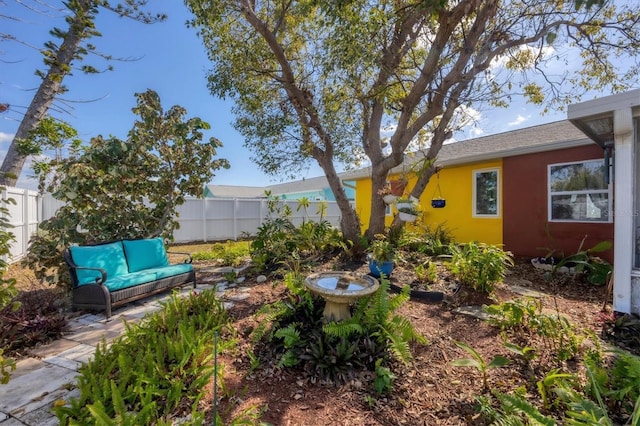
(578, 192)
(486, 193)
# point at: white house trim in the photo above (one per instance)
(623, 209)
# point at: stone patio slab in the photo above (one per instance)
(34, 385)
(53, 348)
(72, 358)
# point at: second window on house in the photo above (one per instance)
(578, 192)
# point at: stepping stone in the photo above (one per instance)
(72, 358)
(524, 291)
(36, 384)
(473, 311)
(238, 297)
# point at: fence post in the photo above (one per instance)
(235, 219)
(204, 219)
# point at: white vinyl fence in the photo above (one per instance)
(208, 219)
(23, 217)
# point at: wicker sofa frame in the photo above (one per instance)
(98, 297)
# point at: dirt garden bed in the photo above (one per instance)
(430, 391)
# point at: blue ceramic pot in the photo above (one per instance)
(378, 268)
(438, 203)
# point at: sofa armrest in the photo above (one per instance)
(71, 265)
(188, 259)
(103, 273)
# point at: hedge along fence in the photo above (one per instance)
(201, 219)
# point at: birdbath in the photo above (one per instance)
(339, 289)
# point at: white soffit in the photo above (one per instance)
(595, 118)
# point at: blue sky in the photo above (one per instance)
(170, 60)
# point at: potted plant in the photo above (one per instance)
(404, 203)
(398, 186)
(408, 213)
(387, 195)
(438, 203)
(381, 256)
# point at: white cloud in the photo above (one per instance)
(476, 132)
(518, 121)
(6, 137)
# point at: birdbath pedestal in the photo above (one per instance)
(340, 289)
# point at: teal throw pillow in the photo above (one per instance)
(145, 254)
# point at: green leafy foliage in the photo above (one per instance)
(7, 285)
(154, 368)
(584, 261)
(426, 272)
(296, 330)
(476, 361)
(513, 409)
(606, 391)
(429, 240)
(382, 249)
(383, 381)
(479, 266)
(278, 239)
(60, 58)
(523, 316)
(124, 189)
(230, 253)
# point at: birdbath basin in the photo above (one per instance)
(339, 289)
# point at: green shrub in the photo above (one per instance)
(432, 241)
(230, 253)
(278, 239)
(155, 368)
(479, 266)
(426, 272)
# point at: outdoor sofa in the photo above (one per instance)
(111, 274)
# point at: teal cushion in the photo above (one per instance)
(145, 254)
(171, 270)
(109, 257)
(130, 280)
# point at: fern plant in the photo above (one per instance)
(377, 315)
(513, 409)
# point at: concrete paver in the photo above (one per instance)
(36, 384)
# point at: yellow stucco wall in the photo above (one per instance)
(456, 184)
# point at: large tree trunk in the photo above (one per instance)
(349, 222)
(51, 85)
